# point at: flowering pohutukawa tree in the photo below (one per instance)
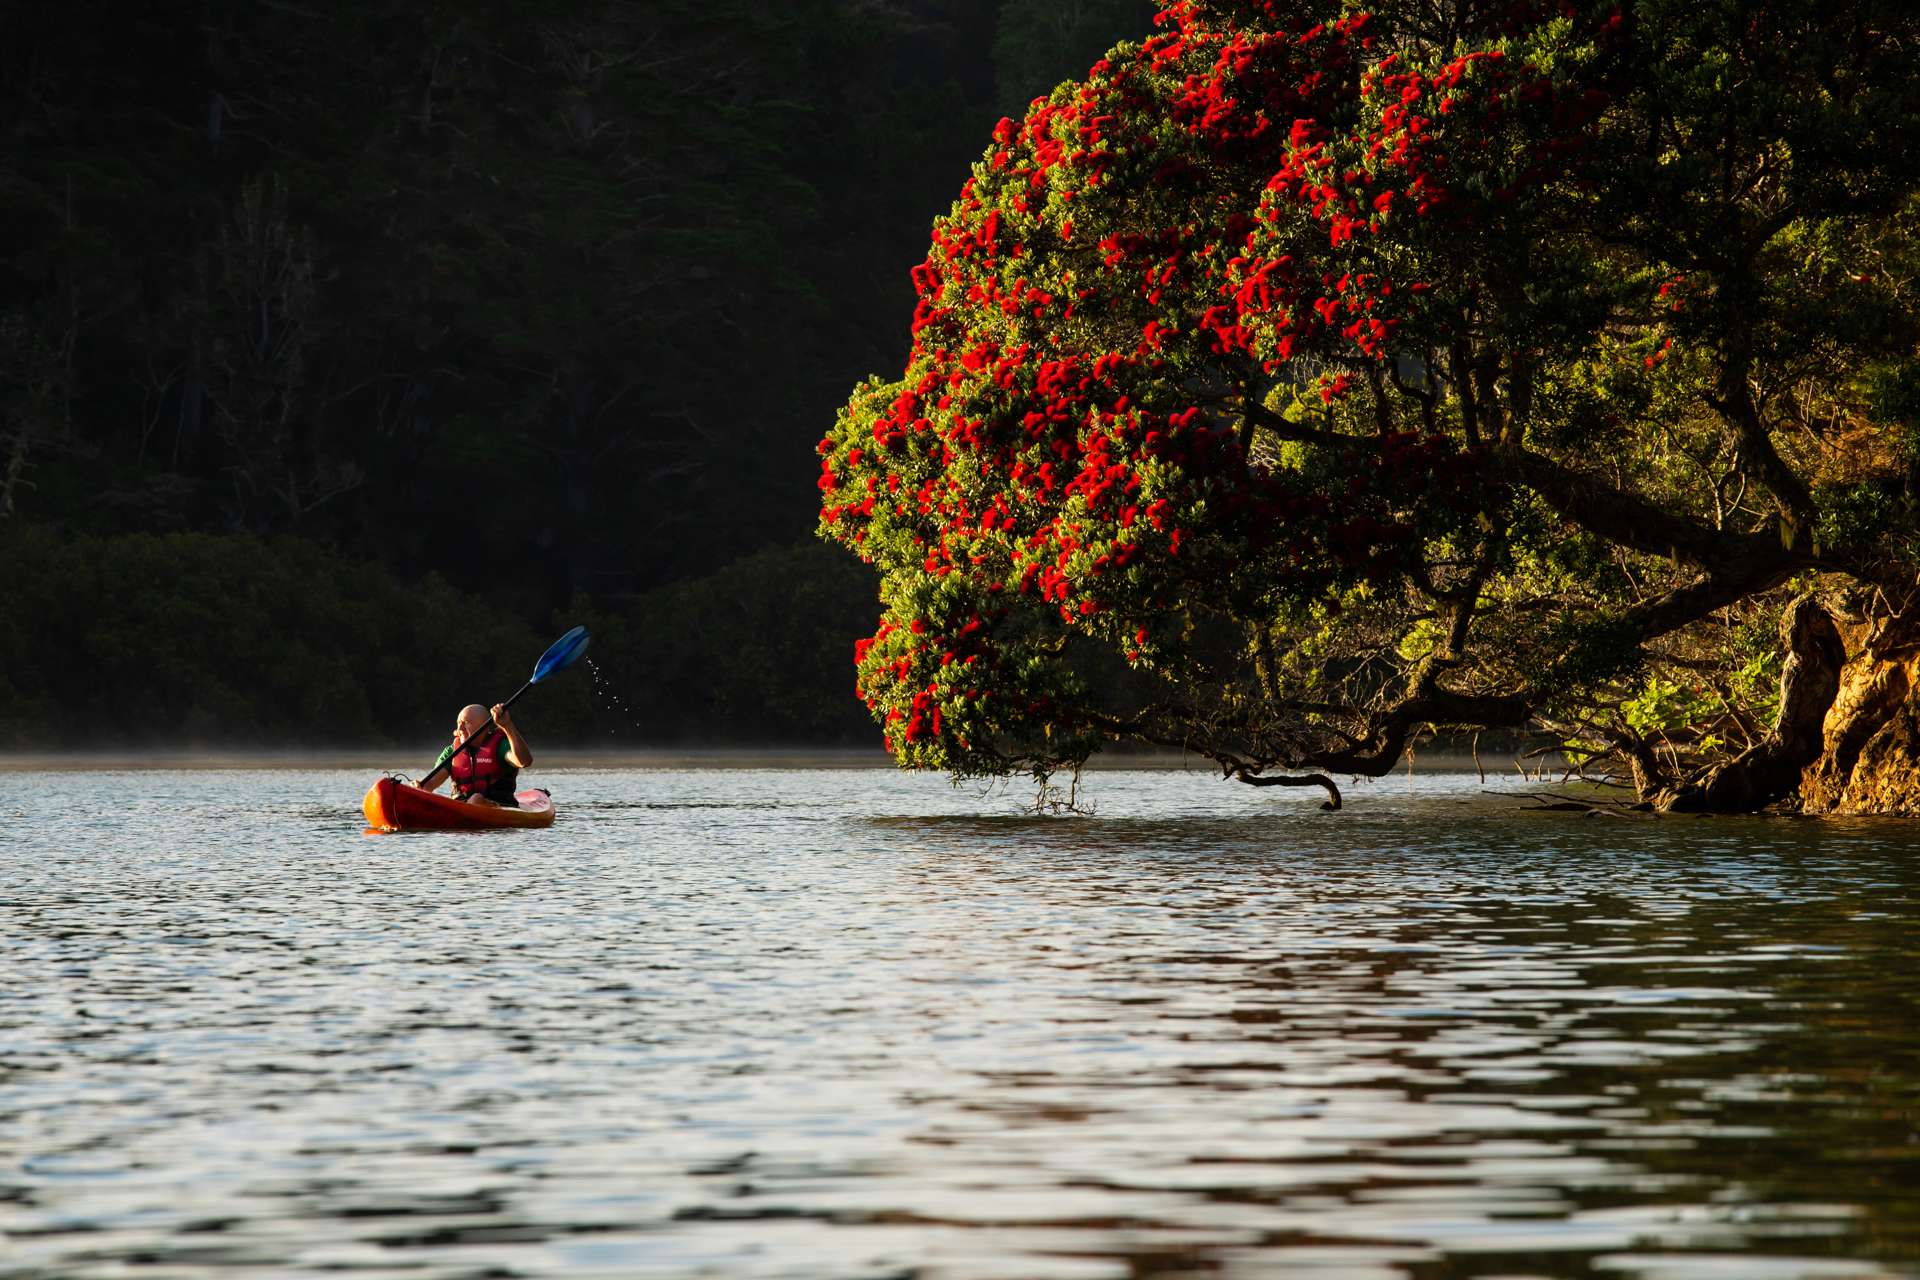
(1309, 375)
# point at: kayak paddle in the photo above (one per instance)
(558, 657)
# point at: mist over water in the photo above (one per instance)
(851, 1023)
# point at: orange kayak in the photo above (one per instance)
(395, 806)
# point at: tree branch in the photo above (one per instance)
(1266, 418)
(1790, 492)
(1626, 518)
(1330, 805)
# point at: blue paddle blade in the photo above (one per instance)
(560, 654)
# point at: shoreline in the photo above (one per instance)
(377, 760)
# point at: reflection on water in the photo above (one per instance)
(853, 1024)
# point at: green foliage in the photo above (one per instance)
(1581, 654)
(1893, 399)
(1664, 705)
(1861, 516)
(1335, 371)
(176, 640)
(1425, 637)
(180, 640)
(781, 675)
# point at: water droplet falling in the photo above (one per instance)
(608, 699)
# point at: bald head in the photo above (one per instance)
(473, 718)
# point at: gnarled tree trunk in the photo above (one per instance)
(1771, 771)
(1870, 758)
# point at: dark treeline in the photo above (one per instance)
(346, 350)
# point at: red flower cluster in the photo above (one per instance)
(1064, 450)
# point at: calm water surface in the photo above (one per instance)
(848, 1023)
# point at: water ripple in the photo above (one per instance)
(848, 1023)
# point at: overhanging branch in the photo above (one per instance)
(1332, 802)
(1632, 521)
(1268, 420)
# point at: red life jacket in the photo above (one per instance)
(484, 768)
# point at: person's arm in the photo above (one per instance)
(519, 754)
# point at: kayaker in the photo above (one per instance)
(486, 773)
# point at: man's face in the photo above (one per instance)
(467, 725)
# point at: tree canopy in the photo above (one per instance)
(1307, 375)
(533, 308)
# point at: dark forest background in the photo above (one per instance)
(349, 351)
